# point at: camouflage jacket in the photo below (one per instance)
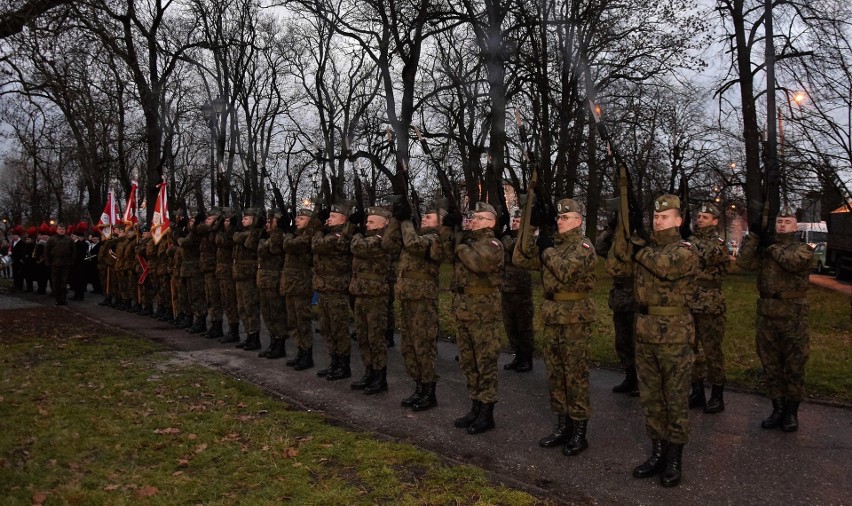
(152, 254)
(712, 266)
(515, 279)
(165, 260)
(106, 252)
(129, 261)
(663, 275)
(207, 248)
(621, 296)
(297, 273)
(567, 271)
(120, 246)
(419, 260)
(477, 275)
(371, 265)
(176, 255)
(270, 259)
(332, 259)
(191, 245)
(245, 254)
(141, 251)
(59, 251)
(782, 274)
(224, 240)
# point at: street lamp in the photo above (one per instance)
(211, 111)
(798, 98)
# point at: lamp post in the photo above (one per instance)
(212, 110)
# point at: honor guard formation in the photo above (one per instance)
(244, 267)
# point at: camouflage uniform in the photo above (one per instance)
(120, 270)
(296, 288)
(144, 249)
(131, 263)
(332, 272)
(270, 256)
(623, 304)
(207, 263)
(59, 256)
(106, 263)
(224, 239)
(190, 273)
(782, 319)
(517, 308)
(179, 288)
(164, 279)
(245, 278)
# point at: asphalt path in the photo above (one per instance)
(729, 459)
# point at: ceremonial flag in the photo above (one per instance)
(107, 220)
(160, 221)
(130, 210)
(145, 270)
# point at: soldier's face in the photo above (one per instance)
(302, 221)
(247, 221)
(210, 220)
(706, 220)
(568, 221)
(482, 220)
(60, 230)
(516, 223)
(667, 219)
(429, 221)
(785, 224)
(335, 219)
(376, 222)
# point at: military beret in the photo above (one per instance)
(570, 206)
(709, 208)
(227, 212)
(342, 207)
(378, 211)
(438, 207)
(144, 228)
(787, 212)
(305, 211)
(484, 207)
(252, 211)
(666, 202)
(215, 211)
(274, 213)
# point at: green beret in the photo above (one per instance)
(484, 207)
(378, 211)
(666, 202)
(709, 208)
(570, 206)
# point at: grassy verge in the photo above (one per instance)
(829, 370)
(95, 417)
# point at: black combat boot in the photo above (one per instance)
(274, 343)
(252, 342)
(365, 380)
(215, 331)
(185, 323)
(655, 463)
(697, 397)
(295, 360)
(411, 399)
(790, 423)
(427, 399)
(773, 421)
(525, 365)
(465, 421)
(307, 360)
(379, 383)
(200, 325)
(147, 310)
(578, 441)
(332, 366)
(233, 335)
(106, 302)
(560, 434)
(511, 366)
(484, 419)
(674, 465)
(342, 372)
(280, 351)
(716, 402)
(630, 383)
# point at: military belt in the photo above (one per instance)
(371, 276)
(622, 282)
(783, 295)
(422, 276)
(476, 290)
(706, 283)
(663, 310)
(566, 296)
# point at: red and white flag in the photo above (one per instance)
(130, 217)
(160, 221)
(108, 217)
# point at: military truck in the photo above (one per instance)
(838, 252)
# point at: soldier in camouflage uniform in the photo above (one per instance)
(146, 289)
(224, 238)
(517, 304)
(120, 272)
(477, 274)
(708, 311)
(129, 264)
(417, 291)
(567, 264)
(332, 275)
(663, 274)
(246, 240)
(179, 288)
(270, 258)
(371, 267)
(59, 256)
(164, 288)
(783, 266)
(106, 263)
(207, 262)
(296, 286)
(193, 277)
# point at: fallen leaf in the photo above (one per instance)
(177, 473)
(42, 411)
(297, 464)
(326, 445)
(183, 462)
(167, 430)
(39, 497)
(200, 448)
(111, 487)
(265, 448)
(291, 453)
(191, 436)
(148, 491)
(241, 405)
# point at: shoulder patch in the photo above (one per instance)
(496, 243)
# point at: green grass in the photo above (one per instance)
(91, 416)
(829, 369)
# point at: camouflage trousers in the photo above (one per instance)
(625, 348)
(518, 317)
(123, 285)
(164, 292)
(566, 357)
(709, 358)
(228, 297)
(248, 304)
(783, 348)
(391, 324)
(299, 318)
(147, 290)
(371, 322)
(195, 295)
(213, 296)
(181, 297)
(102, 277)
(419, 345)
(664, 372)
(273, 311)
(478, 343)
(334, 321)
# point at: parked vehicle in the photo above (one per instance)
(838, 255)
